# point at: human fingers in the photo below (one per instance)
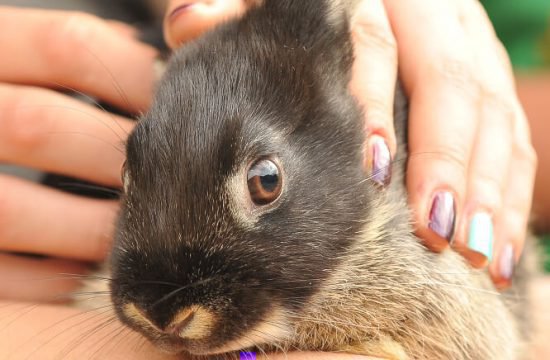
(38, 280)
(78, 51)
(46, 130)
(38, 220)
(435, 68)
(373, 83)
(502, 132)
(512, 221)
(187, 19)
(503, 183)
(464, 113)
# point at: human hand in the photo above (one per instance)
(471, 155)
(43, 129)
(471, 165)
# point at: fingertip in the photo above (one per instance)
(378, 160)
(434, 202)
(431, 240)
(475, 240)
(437, 225)
(382, 129)
(442, 214)
(512, 233)
(185, 20)
(502, 269)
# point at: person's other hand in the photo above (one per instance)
(44, 51)
(471, 166)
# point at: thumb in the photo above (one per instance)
(187, 19)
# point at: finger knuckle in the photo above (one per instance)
(457, 73)
(489, 190)
(496, 102)
(378, 107)
(516, 214)
(372, 32)
(24, 124)
(454, 156)
(528, 154)
(66, 40)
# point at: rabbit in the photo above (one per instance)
(248, 222)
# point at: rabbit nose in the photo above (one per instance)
(181, 323)
(192, 322)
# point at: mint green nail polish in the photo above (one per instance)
(480, 238)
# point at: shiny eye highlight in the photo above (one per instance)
(264, 182)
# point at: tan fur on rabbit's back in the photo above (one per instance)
(407, 308)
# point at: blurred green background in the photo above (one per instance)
(524, 28)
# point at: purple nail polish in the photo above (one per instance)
(443, 215)
(507, 262)
(381, 162)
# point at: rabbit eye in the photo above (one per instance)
(264, 182)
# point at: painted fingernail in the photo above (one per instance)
(381, 161)
(480, 237)
(507, 263)
(443, 215)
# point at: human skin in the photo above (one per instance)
(46, 130)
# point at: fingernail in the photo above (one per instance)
(178, 10)
(381, 161)
(480, 237)
(443, 215)
(507, 263)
